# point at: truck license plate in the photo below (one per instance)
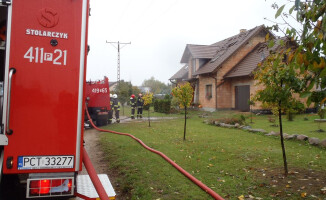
(45, 162)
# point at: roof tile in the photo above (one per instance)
(226, 47)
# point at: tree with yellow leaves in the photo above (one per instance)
(281, 81)
(148, 98)
(184, 94)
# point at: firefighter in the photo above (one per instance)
(111, 110)
(133, 106)
(116, 107)
(140, 104)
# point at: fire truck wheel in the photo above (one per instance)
(101, 122)
(11, 188)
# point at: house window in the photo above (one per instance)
(208, 91)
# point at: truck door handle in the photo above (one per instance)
(12, 71)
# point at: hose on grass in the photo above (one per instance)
(175, 165)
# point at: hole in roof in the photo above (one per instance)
(262, 56)
(232, 43)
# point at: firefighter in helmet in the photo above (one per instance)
(133, 106)
(140, 105)
(116, 107)
(111, 109)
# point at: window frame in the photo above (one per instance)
(208, 91)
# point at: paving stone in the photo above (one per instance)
(323, 143)
(272, 133)
(290, 137)
(314, 141)
(257, 130)
(302, 137)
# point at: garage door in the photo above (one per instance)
(242, 96)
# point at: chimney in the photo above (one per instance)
(243, 30)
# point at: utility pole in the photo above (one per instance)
(118, 48)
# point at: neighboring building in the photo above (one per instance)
(221, 73)
(113, 86)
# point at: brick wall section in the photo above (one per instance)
(203, 100)
(190, 67)
(253, 90)
(258, 105)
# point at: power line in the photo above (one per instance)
(155, 19)
(118, 61)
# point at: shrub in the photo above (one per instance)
(162, 105)
(167, 97)
(233, 120)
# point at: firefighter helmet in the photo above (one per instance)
(115, 96)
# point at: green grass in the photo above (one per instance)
(229, 161)
(297, 126)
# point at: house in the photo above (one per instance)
(113, 86)
(221, 73)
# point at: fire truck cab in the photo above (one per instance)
(43, 48)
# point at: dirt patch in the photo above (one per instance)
(93, 148)
(299, 182)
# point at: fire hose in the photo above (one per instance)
(93, 176)
(175, 165)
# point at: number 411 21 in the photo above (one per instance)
(37, 55)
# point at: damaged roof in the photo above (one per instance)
(249, 63)
(220, 51)
(227, 47)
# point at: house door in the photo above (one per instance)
(242, 96)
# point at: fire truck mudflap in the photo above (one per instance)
(43, 99)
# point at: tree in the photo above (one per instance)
(280, 82)
(156, 86)
(148, 98)
(135, 90)
(309, 57)
(183, 94)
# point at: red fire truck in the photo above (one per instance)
(98, 101)
(42, 82)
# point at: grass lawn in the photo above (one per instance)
(230, 161)
(298, 126)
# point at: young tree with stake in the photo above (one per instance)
(183, 94)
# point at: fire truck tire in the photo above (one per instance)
(101, 122)
(11, 188)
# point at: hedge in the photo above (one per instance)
(162, 105)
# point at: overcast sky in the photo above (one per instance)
(159, 31)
